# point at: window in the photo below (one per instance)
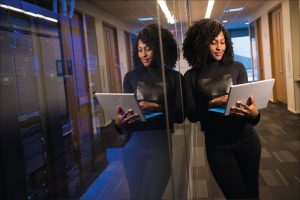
(242, 49)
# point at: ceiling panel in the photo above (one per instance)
(129, 10)
(238, 19)
(218, 9)
(198, 9)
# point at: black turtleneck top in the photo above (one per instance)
(206, 83)
(147, 85)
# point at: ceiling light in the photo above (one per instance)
(209, 8)
(233, 10)
(247, 23)
(225, 21)
(146, 19)
(28, 13)
(166, 11)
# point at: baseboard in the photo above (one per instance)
(294, 111)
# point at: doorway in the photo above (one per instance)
(277, 55)
(256, 53)
(112, 59)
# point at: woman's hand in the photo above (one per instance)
(125, 118)
(148, 106)
(245, 110)
(219, 101)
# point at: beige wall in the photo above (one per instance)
(102, 17)
(290, 36)
(122, 53)
(291, 50)
(295, 37)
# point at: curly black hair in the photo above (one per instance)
(150, 36)
(197, 40)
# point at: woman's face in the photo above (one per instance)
(145, 53)
(217, 47)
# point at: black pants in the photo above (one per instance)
(236, 167)
(147, 164)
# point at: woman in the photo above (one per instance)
(232, 146)
(146, 155)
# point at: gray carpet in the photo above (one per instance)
(279, 132)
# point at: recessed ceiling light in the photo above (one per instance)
(166, 11)
(225, 21)
(209, 8)
(246, 22)
(233, 9)
(146, 19)
(28, 13)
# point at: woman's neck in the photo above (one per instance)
(211, 60)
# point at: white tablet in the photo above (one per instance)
(259, 90)
(110, 102)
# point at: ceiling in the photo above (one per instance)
(129, 10)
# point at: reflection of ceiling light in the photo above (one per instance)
(28, 13)
(146, 19)
(209, 8)
(233, 10)
(166, 11)
(225, 21)
(173, 31)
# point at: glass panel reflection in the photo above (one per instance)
(56, 139)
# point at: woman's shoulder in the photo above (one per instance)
(192, 71)
(237, 64)
(173, 73)
(131, 73)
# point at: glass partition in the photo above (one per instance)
(180, 140)
(58, 140)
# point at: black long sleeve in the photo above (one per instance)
(194, 111)
(202, 85)
(147, 85)
(175, 96)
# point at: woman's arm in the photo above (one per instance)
(194, 111)
(175, 106)
(242, 74)
(127, 86)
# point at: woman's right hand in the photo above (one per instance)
(219, 101)
(123, 118)
(149, 106)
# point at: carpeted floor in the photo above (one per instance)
(279, 132)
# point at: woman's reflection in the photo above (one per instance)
(146, 155)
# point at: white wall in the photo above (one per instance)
(182, 65)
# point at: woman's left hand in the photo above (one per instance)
(245, 110)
